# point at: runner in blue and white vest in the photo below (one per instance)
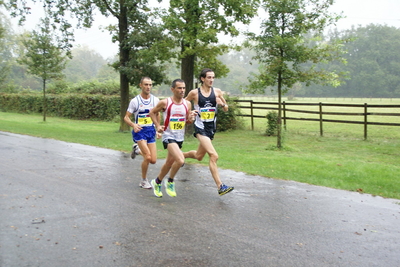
(143, 133)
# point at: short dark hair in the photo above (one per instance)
(203, 73)
(144, 78)
(173, 85)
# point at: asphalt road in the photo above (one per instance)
(65, 204)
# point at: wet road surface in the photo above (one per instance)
(64, 204)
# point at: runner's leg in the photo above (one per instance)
(145, 152)
(177, 155)
(206, 146)
(174, 153)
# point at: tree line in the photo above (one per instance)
(373, 64)
(291, 54)
(372, 69)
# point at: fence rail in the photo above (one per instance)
(256, 105)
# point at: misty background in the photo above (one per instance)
(373, 58)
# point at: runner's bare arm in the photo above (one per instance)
(220, 99)
(192, 96)
(127, 119)
(191, 115)
(155, 114)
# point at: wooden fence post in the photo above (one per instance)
(321, 131)
(287, 108)
(365, 120)
(251, 112)
(284, 115)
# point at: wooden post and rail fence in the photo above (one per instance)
(287, 107)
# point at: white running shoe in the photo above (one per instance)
(135, 151)
(145, 184)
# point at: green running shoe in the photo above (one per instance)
(224, 189)
(170, 189)
(156, 188)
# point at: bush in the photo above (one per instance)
(10, 88)
(272, 126)
(73, 106)
(229, 120)
(85, 87)
(58, 87)
(88, 87)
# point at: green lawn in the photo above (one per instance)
(341, 159)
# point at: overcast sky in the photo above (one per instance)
(357, 12)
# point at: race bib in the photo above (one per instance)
(207, 113)
(145, 120)
(176, 124)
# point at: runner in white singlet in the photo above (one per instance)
(143, 130)
(174, 121)
(177, 112)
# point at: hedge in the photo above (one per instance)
(73, 106)
(93, 107)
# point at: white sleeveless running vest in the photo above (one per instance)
(140, 108)
(175, 120)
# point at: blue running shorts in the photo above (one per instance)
(147, 133)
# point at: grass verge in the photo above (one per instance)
(343, 161)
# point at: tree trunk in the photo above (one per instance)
(187, 71)
(123, 59)
(192, 9)
(44, 100)
(279, 135)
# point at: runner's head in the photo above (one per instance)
(173, 85)
(178, 88)
(207, 77)
(146, 84)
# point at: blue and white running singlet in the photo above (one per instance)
(140, 108)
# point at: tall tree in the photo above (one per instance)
(133, 19)
(5, 51)
(43, 58)
(195, 25)
(373, 61)
(283, 51)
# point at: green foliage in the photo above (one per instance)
(5, 48)
(73, 106)
(194, 26)
(107, 73)
(60, 87)
(86, 64)
(10, 88)
(283, 52)
(282, 48)
(230, 119)
(85, 87)
(43, 58)
(132, 19)
(272, 124)
(110, 88)
(374, 64)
